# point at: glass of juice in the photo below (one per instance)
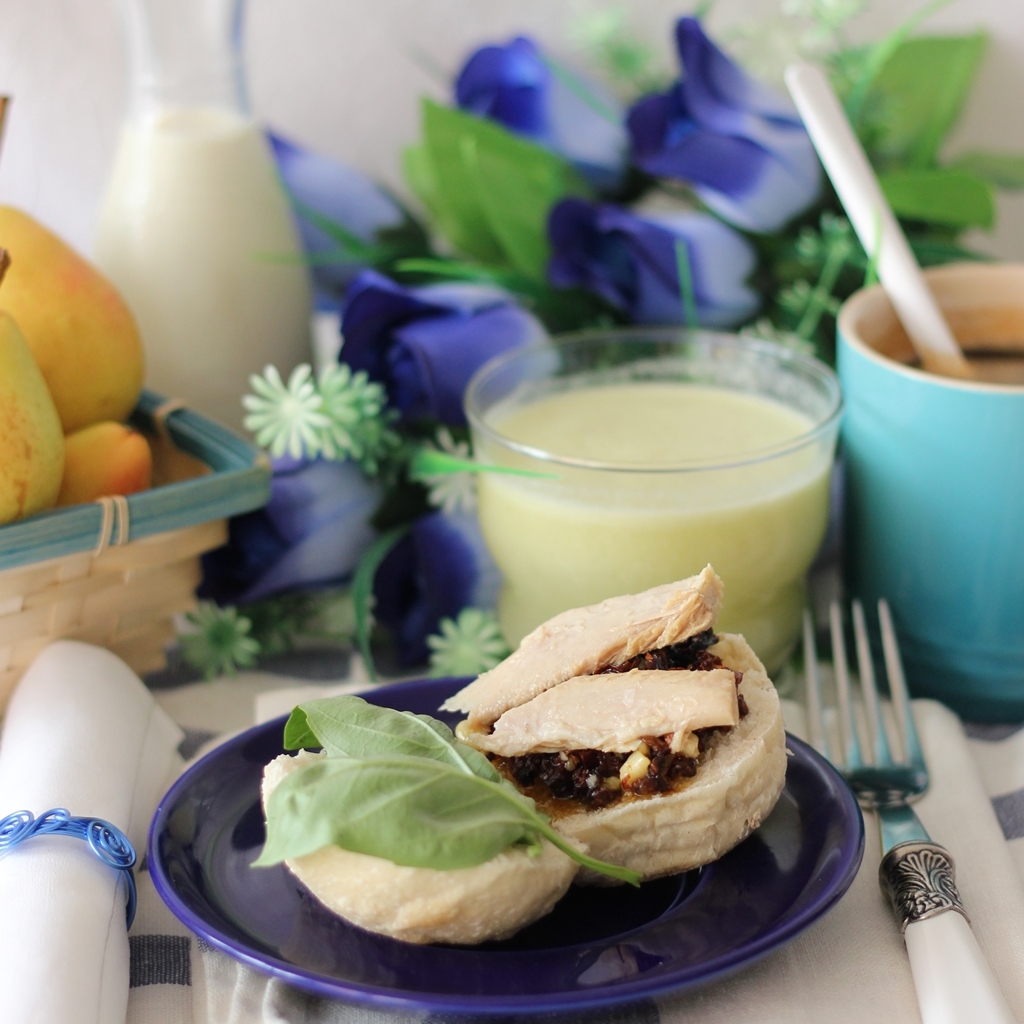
(650, 453)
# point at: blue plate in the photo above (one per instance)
(598, 947)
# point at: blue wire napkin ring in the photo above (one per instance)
(107, 841)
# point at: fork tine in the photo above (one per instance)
(866, 672)
(898, 688)
(847, 729)
(815, 719)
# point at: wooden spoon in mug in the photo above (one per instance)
(872, 218)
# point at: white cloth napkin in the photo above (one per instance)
(81, 732)
(848, 968)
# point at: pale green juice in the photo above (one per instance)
(758, 517)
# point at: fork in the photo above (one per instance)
(953, 981)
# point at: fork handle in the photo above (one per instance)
(954, 982)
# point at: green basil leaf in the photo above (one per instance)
(412, 811)
(1004, 170)
(409, 810)
(297, 733)
(952, 198)
(349, 726)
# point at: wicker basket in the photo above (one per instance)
(116, 572)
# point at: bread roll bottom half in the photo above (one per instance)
(464, 906)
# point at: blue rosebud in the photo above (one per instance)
(312, 532)
(423, 344)
(439, 568)
(741, 146)
(633, 262)
(529, 93)
(342, 195)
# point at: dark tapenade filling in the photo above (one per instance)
(584, 775)
(581, 774)
(691, 654)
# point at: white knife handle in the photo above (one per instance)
(954, 983)
(953, 980)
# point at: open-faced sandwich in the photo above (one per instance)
(621, 741)
(645, 736)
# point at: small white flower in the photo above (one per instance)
(452, 492)
(348, 399)
(221, 642)
(358, 422)
(468, 645)
(286, 418)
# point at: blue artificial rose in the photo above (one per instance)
(423, 344)
(633, 263)
(439, 568)
(532, 95)
(741, 146)
(342, 195)
(313, 531)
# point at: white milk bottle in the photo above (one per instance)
(195, 229)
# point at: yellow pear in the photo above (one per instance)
(78, 327)
(31, 439)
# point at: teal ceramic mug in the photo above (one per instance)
(935, 488)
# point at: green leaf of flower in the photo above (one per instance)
(1004, 170)
(931, 251)
(440, 170)
(940, 196)
(917, 96)
(517, 183)
(362, 588)
(489, 189)
(428, 462)
(869, 61)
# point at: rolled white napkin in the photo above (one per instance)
(81, 732)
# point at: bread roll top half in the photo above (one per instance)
(582, 641)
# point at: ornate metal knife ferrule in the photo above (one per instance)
(918, 878)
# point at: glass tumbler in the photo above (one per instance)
(625, 495)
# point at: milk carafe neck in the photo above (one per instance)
(184, 53)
